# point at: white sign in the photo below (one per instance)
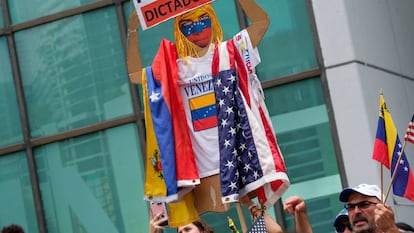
(154, 12)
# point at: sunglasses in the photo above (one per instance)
(341, 227)
(361, 205)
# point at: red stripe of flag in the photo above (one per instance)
(409, 136)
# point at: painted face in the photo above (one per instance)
(361, 212)
(190, 228)
(196, 26)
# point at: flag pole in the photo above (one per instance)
(382, 165)
(395, 169)
(241, 217)
(382, 183)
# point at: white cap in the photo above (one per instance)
(364, 189)
(341, 215)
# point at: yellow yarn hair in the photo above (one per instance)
(186, 47)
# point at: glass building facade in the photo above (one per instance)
(72, 134)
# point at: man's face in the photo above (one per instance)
(361, 212)
(190, 228)
(196, 26)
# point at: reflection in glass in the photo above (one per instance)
(73, 72)
(93, 183)
(16, 199)
(10, 126)
(21, 11)
(287, 47)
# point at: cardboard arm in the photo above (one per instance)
(134, 64)
(259, 20)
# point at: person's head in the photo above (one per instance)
(402, 226)
(360, 202)
(197, 28)
(196, 227)
(341, 223)
(13, 228)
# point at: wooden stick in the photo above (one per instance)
(241, 217)
(382, 183)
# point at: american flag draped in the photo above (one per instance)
(238, 155)
(258, 226)
(387, 150)
(409, 136)
(250, 160)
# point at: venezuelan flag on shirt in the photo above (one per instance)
(386, 151)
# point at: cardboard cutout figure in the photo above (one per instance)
(207, 113)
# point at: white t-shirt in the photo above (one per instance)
(197, 93)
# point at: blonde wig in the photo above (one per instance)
(186, 47)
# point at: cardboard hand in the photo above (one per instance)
(134, 64)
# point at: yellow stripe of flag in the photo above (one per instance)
(202, 101)
(154, 181)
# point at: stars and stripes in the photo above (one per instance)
(250, 159)
(409, 136)
(239, 164)
(259, 226)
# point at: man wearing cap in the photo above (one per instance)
(341, 222)
(366, 213)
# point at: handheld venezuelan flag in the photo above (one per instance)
(387, 149)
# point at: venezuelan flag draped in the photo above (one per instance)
(165, 73)
(183, 212)
(160, 179)
(387, 148)
(154, 175)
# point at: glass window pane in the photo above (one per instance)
(128, 8)
(1, 17)
(73, 72)
(10, 127)
(302, 126)
(301, 123)
(287, 47)
(21, 11)
(16, 199)
(226, 13)
(94, 183)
